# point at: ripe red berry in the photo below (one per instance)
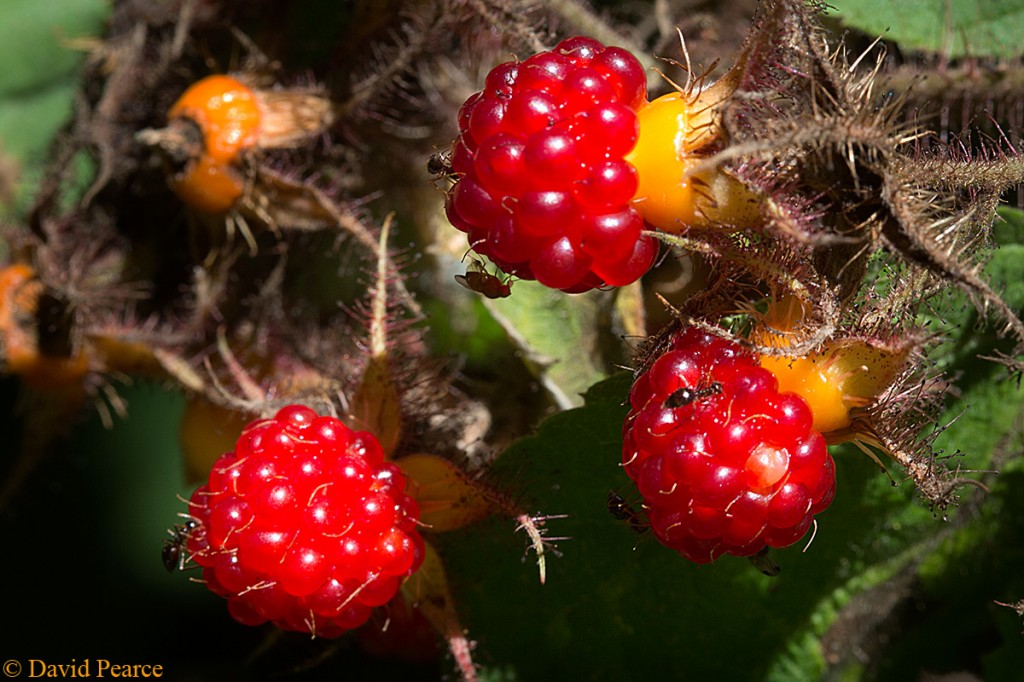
(543, 189)
(725, 463)
(305, 525)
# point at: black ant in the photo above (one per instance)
(175, 551)
(681, 397)
(484, 283)
(440, 164)
(623, 511)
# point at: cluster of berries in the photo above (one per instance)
(304, 525)
(559, 167)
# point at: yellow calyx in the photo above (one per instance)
(661, 156)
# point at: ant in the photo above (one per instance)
(623, 511)
(439, 164)
(681, 397)
(174, 553)
(479, 280)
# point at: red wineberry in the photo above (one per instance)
(304, 525)
(725, 463)
(542, 186)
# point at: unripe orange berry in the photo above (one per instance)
(226, 111)
(228, 116)
(17, 294)
(218, 120)
(19, 302)
(209, 186)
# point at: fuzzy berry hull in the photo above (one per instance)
(725, 463)
(304, 525)
(543, 187)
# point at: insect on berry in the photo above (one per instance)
(439, 165)
(729, 465)
(484, 283)
(175, 550)
(684, 396)
(766, 563)
(624, 511)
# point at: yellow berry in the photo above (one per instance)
(674, 129)
(845, 374)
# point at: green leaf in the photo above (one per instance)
(39, 71)
(620, 606)
(557, 333)
(958, 318)
(38, 80)
(976, 561)
(957, 28)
